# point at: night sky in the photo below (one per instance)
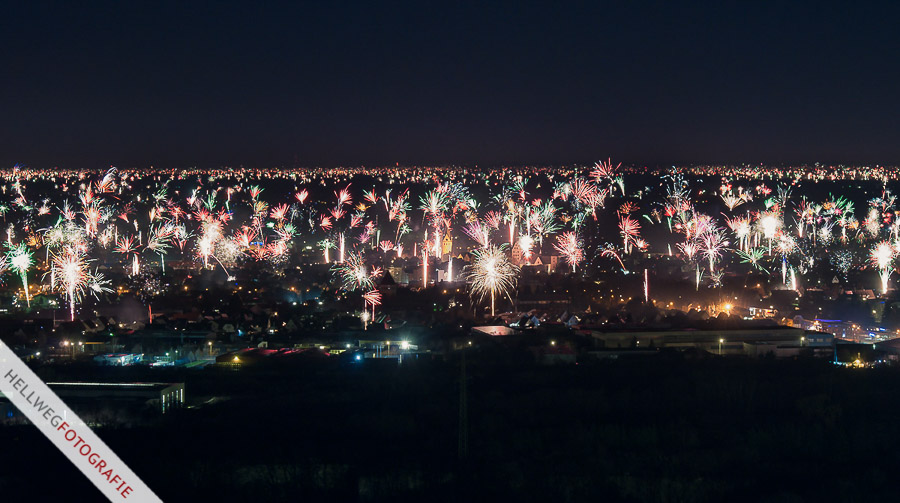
(332, 83)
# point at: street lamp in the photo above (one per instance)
(720, 346)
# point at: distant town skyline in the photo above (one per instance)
(175, 85)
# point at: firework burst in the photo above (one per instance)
(569, 246)
(490, 273)
(19, 258)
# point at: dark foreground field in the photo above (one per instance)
(664, 430)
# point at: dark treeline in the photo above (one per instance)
(666, 429)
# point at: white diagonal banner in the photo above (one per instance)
(68, 432)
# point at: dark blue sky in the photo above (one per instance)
(260, 83)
